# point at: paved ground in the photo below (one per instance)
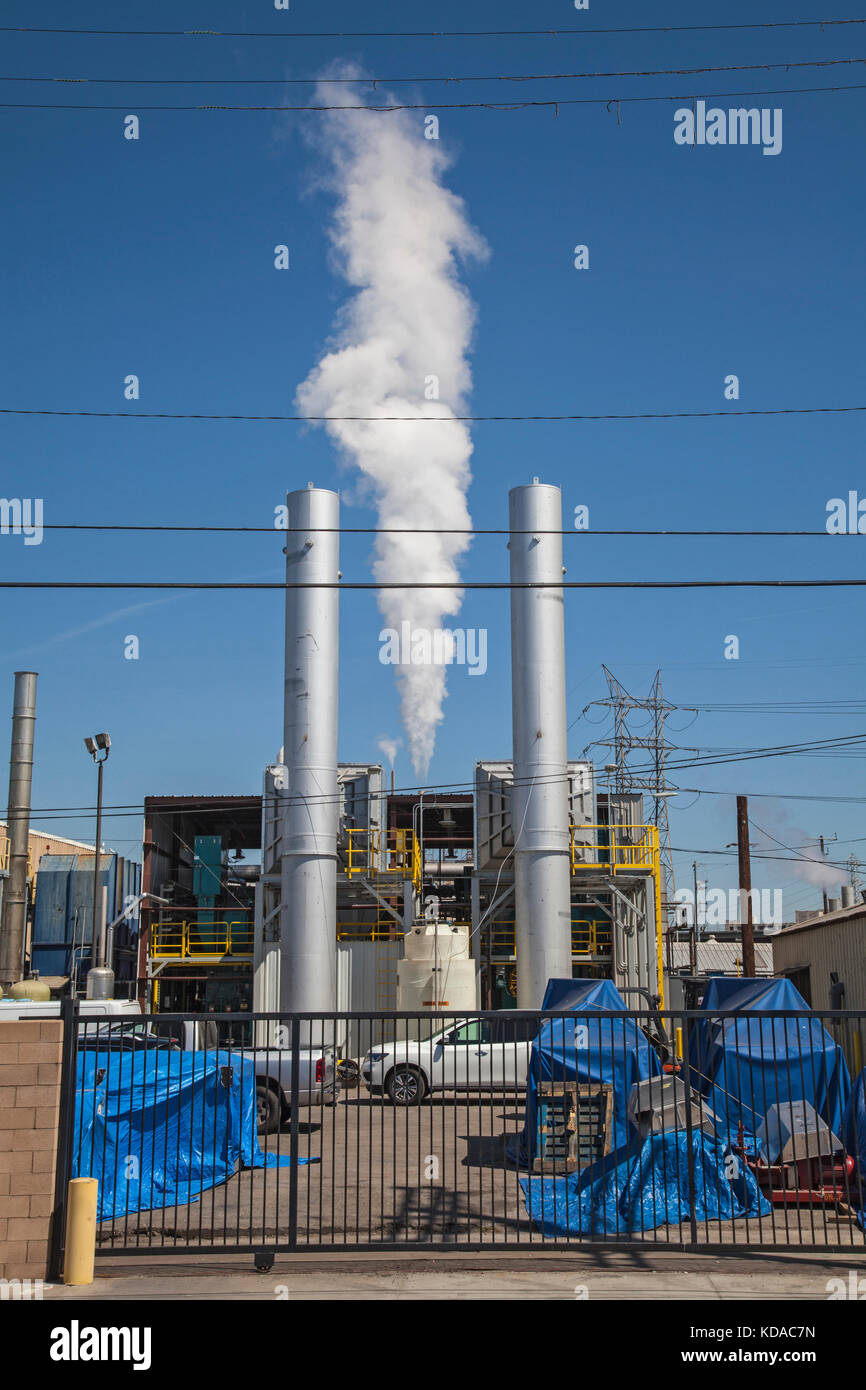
(593, 1275)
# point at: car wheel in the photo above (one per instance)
(406, 1086)
(268, 1109)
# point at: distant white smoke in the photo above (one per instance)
(398, 234)
(388, 747)
(803, 860)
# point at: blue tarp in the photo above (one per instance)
(855, 1125)
(855, 1143)
(642, 1188)
(595, 1045)
(159, 1129)
(744, 1065)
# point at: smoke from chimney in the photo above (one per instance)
(400, 348)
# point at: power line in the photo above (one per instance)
(390, 107)
(377, 585)
(452, 78)
(410, 530)
(432, 419)
(780, 796)
(431, 34)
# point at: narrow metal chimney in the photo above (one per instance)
(539, 812)
(14, 924)
(308, 917)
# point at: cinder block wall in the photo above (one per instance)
(30, 1054)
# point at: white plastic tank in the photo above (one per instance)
(437, 971)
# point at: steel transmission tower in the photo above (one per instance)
(648, 775)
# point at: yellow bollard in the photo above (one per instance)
(679, 1044)
(80, 1231)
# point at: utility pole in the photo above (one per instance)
(693, 935)
(822, 839)
(14, 917)
(743, 855)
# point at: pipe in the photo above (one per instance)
(14, 923)
(308, 915)
(542, 885)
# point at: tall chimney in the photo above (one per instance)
(308, 920)
(14, 924)
(539, 810)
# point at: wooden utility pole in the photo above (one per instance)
(746, 925)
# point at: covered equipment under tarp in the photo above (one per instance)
(594, 1046)
(159, 1129)
(644, 1187)
(745, 1065)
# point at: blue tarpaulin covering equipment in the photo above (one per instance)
(855, 1127)
(644, 1187)
(855, 1143)
(159, 1129)
(594, 1046)
(744, 1065)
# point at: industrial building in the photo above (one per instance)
(824, 957)
(203, 857)
(59, 898)
(331, 891)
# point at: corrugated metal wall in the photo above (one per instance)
(62, 913)
(828, 946)
(831, 946)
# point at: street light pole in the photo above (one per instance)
(96, 936)
(100, 980)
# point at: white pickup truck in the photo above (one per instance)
(109, 1025)
(471, 1054)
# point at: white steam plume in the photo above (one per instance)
(388, 747)
(398, 234)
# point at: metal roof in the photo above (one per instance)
(821, 919)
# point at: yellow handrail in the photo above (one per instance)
(627, 847)
(375, 853)
(185, 939)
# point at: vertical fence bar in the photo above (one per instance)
(65, 1136)
(690, 1152)
(294, 1103)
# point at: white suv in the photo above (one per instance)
(472, 1054)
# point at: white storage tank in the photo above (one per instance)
(437, 971)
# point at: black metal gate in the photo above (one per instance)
(266, 1133)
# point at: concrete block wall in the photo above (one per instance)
(30, 1058)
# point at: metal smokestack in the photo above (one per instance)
(14, 922)
(308, 919)
(542, 885)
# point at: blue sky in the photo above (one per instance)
(155, 257)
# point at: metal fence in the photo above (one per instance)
(510, 1130)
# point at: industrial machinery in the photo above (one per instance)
(801, 1162)
(660, 1105)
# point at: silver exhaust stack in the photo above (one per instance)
(542, 868)
(308, 853)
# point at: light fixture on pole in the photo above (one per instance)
(100, 978)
